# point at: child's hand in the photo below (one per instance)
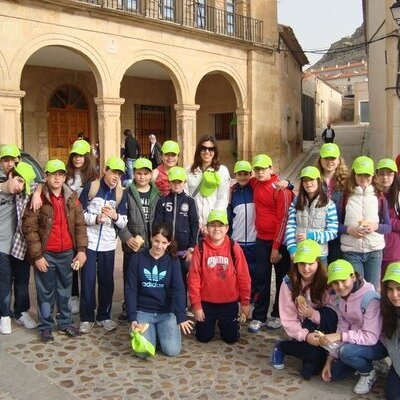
(305, 310)
(188, 256)
(245, 310)
(313, 339)
(41, 264)
(330, 338)
(372, 227)
(186, 327)
(134, 325)
(356, 231)
(301, 236)
(275, 256)
(326, 372)
(199, 315)
(281, 185)
(110, 212)
(80, 258)
(36, 202)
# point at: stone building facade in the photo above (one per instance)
(178, 69)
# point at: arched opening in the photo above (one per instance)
(68, 116)
(216, 115)
(60, 88)
(150, 96)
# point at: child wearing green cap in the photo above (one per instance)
(218, 279)
(142, 197)
(334, 174)
(169, 158)
(311, 215)
(105, 211)
(10, 156)
(242, 214)
(357, 337)
(12, 269)
(389, 183)
(303, 309)
(363, 220)
(390, 309)
(54, 249)
(178, 210)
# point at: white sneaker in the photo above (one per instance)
(365, 383)
(107, 324)
(74, 302)
(255, 326)
(27, 321)
(273, 323)
(5, 325)
(85, 326)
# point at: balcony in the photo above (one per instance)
(190, 13)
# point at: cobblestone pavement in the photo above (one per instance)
(101, 365)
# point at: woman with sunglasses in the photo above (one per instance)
(208, 181)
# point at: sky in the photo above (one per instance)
(319, 23)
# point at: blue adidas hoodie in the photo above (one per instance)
(242, 215)
(155, 286)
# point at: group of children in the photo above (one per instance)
(331, 246)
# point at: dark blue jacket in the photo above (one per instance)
(179, 210)
(155, 286)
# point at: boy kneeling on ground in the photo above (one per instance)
(218, 278)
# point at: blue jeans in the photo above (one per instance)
(129, 162)
(5, 285)
(356, 357)
(368, 265)
(163, 329)
(54, 286)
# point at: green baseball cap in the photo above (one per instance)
(116, 164)
(27, 172)
(169, 146)
(310, 172)
(143, 163)
(392, 272)
(329, 150)
(387, 163)
(177, 174)
(363, 165)
(9, 150)
(242, 166)
(261, 161)
(218, 215)
(307, 251)
(210, 182)
(80, 147)
(54, 166)
(339, 270)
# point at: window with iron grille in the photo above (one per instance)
(200, 13)
(225, 126)
(127, 5)
(167, 9)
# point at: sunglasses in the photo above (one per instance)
(206, 148)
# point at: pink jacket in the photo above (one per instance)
(289, 316)
(356, 327)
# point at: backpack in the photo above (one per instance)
(94, 188)
(366, 299)
(232, 251)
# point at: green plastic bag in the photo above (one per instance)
(141, 345)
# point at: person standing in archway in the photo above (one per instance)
(155, 151)
(131, 152)
(328, 135)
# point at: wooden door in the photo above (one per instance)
(68, 115)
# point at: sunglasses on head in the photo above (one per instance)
(206, 148)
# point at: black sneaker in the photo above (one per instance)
(123, 317)
(46, 336)
(70, 331)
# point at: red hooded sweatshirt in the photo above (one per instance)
(213, 277)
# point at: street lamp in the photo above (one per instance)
(395, 9)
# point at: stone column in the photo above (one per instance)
(242, 132)
(108, 115)
(186, 131)
(10, 116)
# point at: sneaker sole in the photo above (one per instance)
(107, 329)
(278, 366)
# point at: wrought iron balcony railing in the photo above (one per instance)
(190, 13)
